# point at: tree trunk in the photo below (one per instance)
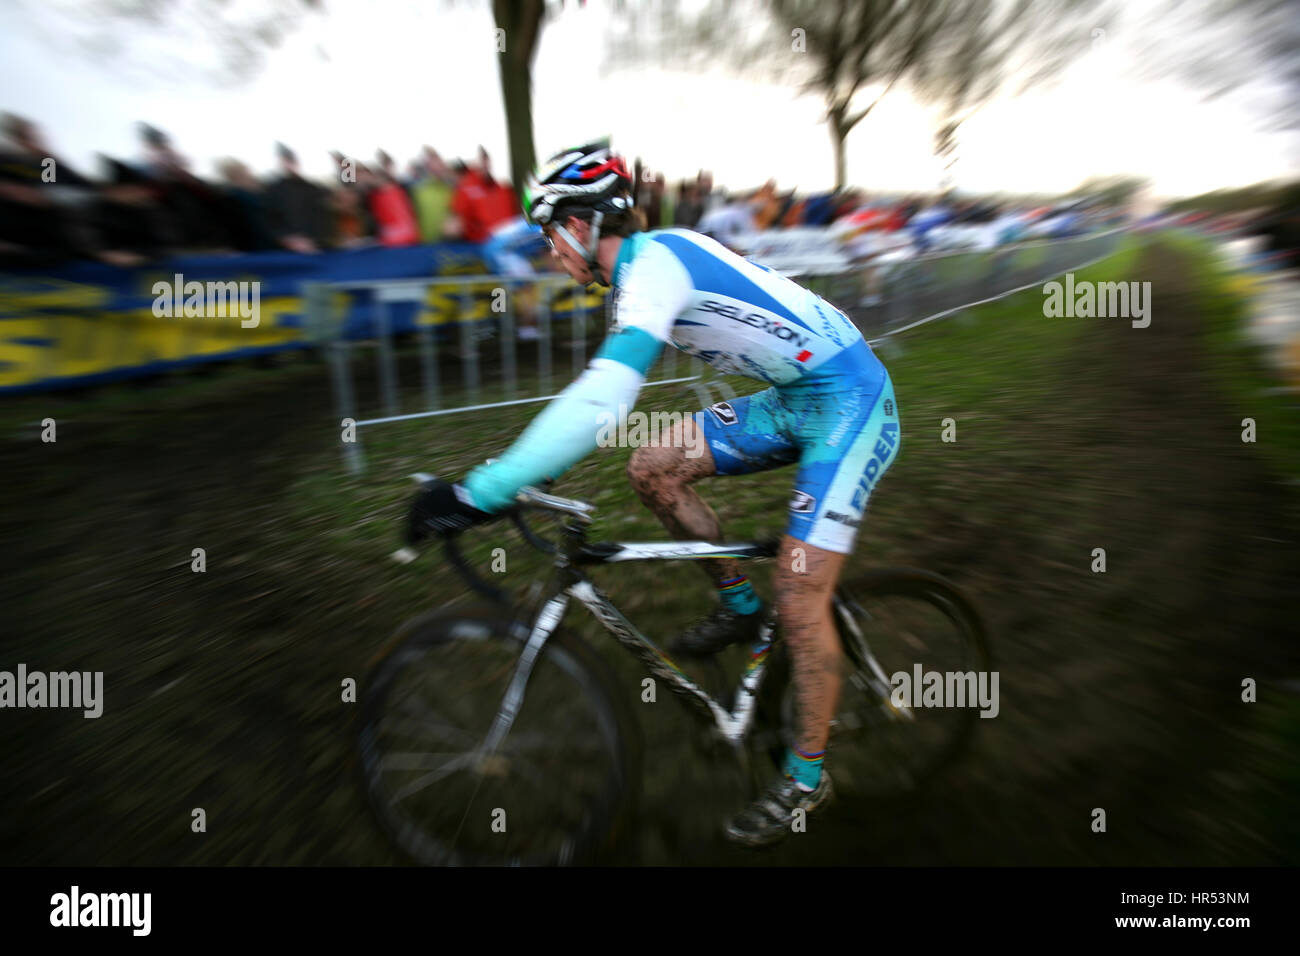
(517, 92)
(521, 22)
(838, 136)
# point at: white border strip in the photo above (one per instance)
(1000, 295)
(692, 378)
(516, 401)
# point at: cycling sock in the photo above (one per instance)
(738, 595)
(806, 769)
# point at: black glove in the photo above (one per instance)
(442, 509)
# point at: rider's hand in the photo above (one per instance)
(442, 509)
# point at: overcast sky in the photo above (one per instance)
(400, 74)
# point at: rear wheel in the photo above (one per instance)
(889, 622)
(557, 790)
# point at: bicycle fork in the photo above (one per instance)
(548, 619)
(878, 682)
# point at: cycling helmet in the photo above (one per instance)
(587, 180)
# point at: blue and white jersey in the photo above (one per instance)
(739, 317)
(830, 406)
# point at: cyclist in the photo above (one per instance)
(830, 407)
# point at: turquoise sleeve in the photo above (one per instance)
(635, 348)
(569, 428)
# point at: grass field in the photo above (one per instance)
(1120, 690)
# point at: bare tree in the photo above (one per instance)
(855, 45)
(519, 25)
(987, 48)
(238, 38)
(835, 48)
(1223, 46)
(854, 52)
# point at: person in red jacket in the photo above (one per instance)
(490, 215)
(390, 207)
(481, 203)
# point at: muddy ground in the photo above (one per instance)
(1119, 690)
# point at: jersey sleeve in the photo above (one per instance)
(571, 426)
(655, 289)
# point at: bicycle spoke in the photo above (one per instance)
(907, 637)
(429, 779)
(558, 771)
(413, 705)
(394, 762)
(901, 619)
(413, 727)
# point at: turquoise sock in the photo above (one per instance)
(738, 595)
(805, 768)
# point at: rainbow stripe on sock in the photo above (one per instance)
(805, 769)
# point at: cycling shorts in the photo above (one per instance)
(840, 424)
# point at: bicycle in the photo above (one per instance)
(495, 690)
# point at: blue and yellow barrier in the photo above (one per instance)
(90, 322)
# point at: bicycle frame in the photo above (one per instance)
(572, 583)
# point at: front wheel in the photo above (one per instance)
(558, 788)
(888, 737)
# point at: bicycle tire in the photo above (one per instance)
(604, 816)
(872, 589)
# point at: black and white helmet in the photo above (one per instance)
(589, 178)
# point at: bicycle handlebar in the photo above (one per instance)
(528, 497)
(470, 576)
(536, 498)
(541, 544)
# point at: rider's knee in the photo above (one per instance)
(651, 468)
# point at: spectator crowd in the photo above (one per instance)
(140, 211)
(136, 212)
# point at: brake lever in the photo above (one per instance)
(407, 554)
